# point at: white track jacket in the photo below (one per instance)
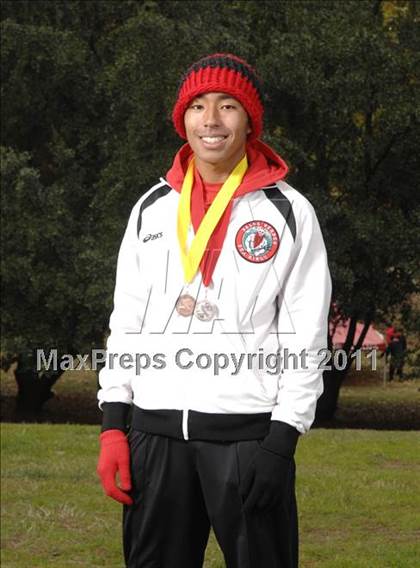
(272, 289)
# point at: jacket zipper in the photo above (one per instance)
(185, 424)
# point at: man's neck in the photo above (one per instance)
(217, 172)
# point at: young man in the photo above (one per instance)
(222, 270)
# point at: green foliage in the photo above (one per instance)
(41, 285)
(87, 94)
(347, 115)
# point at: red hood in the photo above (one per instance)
(264, 167)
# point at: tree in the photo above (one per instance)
(49, 148)
(87, 93)
(343, 79)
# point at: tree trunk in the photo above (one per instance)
(333, 379)
(328, 402)
(33, 391)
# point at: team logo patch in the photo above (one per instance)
(257, 241)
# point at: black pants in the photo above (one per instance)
(396, 365)
(181, 488)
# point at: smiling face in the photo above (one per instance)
(216, 125)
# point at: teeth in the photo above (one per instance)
(212, 139)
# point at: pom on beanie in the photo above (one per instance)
(225, 73)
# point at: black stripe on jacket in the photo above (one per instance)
(278, 199)
(150, 199)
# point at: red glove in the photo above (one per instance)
(115, 456)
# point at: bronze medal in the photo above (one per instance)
(185, 305)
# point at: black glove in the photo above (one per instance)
(266, 479)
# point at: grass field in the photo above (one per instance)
(358, 489)
(358, 495)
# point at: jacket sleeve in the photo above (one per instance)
(115, 378)
(302, 325)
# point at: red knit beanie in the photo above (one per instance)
(226, 73)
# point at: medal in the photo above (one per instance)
(206, 311)
(191, 256)
(185, 305)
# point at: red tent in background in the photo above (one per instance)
(373, 339)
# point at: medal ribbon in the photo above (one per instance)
(191, 258)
